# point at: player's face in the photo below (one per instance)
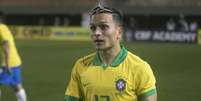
(106, 33)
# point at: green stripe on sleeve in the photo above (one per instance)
(147, 94)
(70, 98)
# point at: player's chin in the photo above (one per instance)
(99, 48)
(103, 48)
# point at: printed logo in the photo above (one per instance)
(120, 85)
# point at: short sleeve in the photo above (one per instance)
(73, 92)
(4, 32)
(146, 82)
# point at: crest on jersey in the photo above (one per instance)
(120, 85)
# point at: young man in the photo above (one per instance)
(111, 73)
(10, 62)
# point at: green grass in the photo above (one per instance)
(47, 66)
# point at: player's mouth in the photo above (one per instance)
(99, 41)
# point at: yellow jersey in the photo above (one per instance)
(128, 78)
(6, 35)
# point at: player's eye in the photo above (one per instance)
(93, 28)
(104, 27)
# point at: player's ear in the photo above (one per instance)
(120, 31)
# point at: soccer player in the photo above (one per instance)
(10, 62)
(112, 73)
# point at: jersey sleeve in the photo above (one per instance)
(146, 82)
(73, 92)
(4, 33)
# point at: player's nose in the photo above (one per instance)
(97, 32)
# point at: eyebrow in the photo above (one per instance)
(102, 22)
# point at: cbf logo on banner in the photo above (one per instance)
(165, 36)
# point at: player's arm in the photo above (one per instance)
(147, 84)
(7, 54)
(150, 98)
(73, 90)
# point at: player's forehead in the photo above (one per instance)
(102, 18)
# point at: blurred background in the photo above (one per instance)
(144, 19)
(52, 34)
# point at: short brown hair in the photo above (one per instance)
(117, 15)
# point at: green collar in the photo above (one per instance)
(119, 58)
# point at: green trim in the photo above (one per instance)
(118, 60)
(97, 60)
(120, 57)
(71, 98)
(147, 94)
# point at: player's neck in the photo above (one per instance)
(107, 56)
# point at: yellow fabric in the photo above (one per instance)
(5, 35)
(95, 83)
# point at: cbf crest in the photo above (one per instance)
(120, 85)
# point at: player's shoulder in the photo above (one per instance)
(3, 25)
(3, 28)
(86, 60)
(134, 58)
(136, 61)
(83, 62)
